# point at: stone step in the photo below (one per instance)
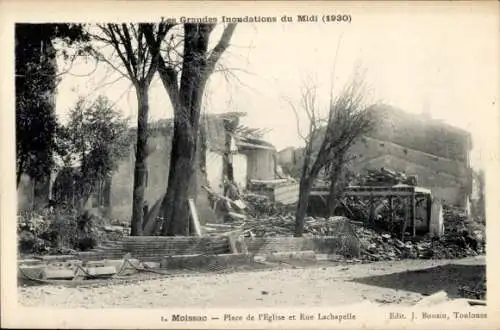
(283, 256)
(195, 261)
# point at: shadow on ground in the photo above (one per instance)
(450, 278)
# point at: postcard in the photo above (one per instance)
(247, 164)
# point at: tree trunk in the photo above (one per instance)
(300, 213)
(175, 208)
(182, 172)
(140, 161)
(336, 186)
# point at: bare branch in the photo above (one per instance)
(127, 44)
(153, 45)
(120, 77)
(103, 58)
(221, 46)
(297, 121)
(82, 75)
(167, 74)
(113, 40)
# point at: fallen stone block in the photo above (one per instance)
(31, 271)
(99, 271)
(150, 265)
(58, 274)
(434, 299)
(70, 264)
(259, 258)
(96, 263)
(474, 302)
(118, 264)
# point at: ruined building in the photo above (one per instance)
(437, 153)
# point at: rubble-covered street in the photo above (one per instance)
(463, 236)
(369, 263)
(402, 282)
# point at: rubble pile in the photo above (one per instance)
(457, 223)
(385, 177)
(271, 219)
(381, 246)
(265, 218)
(477, 291)
(284, 226)
(262, 206)
(378, 246)
(375, 245)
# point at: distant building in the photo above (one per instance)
(286, 155)
(437, 153)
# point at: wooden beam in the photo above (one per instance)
(194, 218)
(429, 212)
(371, 215)
(391, 213)
(366, 193)
(405, 219)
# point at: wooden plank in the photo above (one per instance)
(476, 302)
(268, 181)
(405, 220)
(194, 217)
(371, 209)
(367, 193)
(391, 213)
(413, 214)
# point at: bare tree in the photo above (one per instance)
(184, 75)
(328, 141)
(139, 65)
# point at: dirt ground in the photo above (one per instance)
(401, 282)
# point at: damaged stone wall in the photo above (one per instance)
(158, 162)
(447, 184)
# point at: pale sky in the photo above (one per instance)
(449, 61)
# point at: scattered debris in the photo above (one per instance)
(441, 297)
(385, 177)
(262, 206)
(377, 246)
(265, 218)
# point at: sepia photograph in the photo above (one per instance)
(288, 162)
